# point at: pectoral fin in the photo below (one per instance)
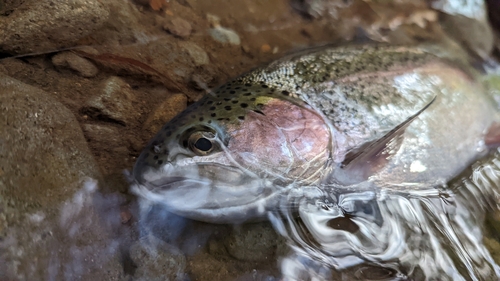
(371, 157)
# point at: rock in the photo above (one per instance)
(204, 78)
(46, 25)
(167, 110)
(50, 226)
(156, 260)
(70, 60)
(197, 54)
(252, 242)
(477, 36)
(178, 27)
(102, 135)
(225, 35)
(115, 102)
(467, 23)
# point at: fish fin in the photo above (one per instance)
(492, 137)
(366, 160)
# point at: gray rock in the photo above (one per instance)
(225, 35)
(115, 101)
(197, 54)
(157, 261)
(252, 242)
(50, 228)
(46, 25)
(84, 67)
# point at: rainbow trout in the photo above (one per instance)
(353, 117)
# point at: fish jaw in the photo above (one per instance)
(207, 192)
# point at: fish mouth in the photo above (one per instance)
(208, 192)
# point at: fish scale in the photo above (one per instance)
(297, 78)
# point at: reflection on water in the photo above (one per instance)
(379, 234)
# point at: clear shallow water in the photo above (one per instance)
(379, 234)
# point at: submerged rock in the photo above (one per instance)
(82, 66)
(225, 35)
(114, 102)
(178, 27)
(156, 260)
(253, 242)
(165, 111)
(44, 25)
(50, 227)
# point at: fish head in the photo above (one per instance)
(228, 156)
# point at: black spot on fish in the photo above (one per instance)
(259, 112)
(213, 114)
(244, 105)
(252, 99)
(265, 86)
(220, 119)
(241, 117)
(160, 162)
(212, 108)
(247, 94)
(209, 121)
(155, 157)
(227, 99)
(201, 119)
(232, 92)
(286, 93)
(227, 107)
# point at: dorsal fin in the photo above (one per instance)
(364, 161)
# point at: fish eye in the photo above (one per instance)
(201, 143)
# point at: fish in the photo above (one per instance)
(368, 116)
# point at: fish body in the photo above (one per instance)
(324, 116)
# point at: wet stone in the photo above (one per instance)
(178, 27)
(197, 54)
(102, 135)
(70, 60)
(46, 25)
(225, 35)
(115, 102)
(50, 225)
(252, 242)
(167, 110)
(156, 260)
(204, 78)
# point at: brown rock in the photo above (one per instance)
(178, 27)
(72, 61)
(51, 227)
(172, 106)
(155, 258)
(115, 102)
(102, 135)
(46, 25)
(252, 242)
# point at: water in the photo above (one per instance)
(386, 234)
